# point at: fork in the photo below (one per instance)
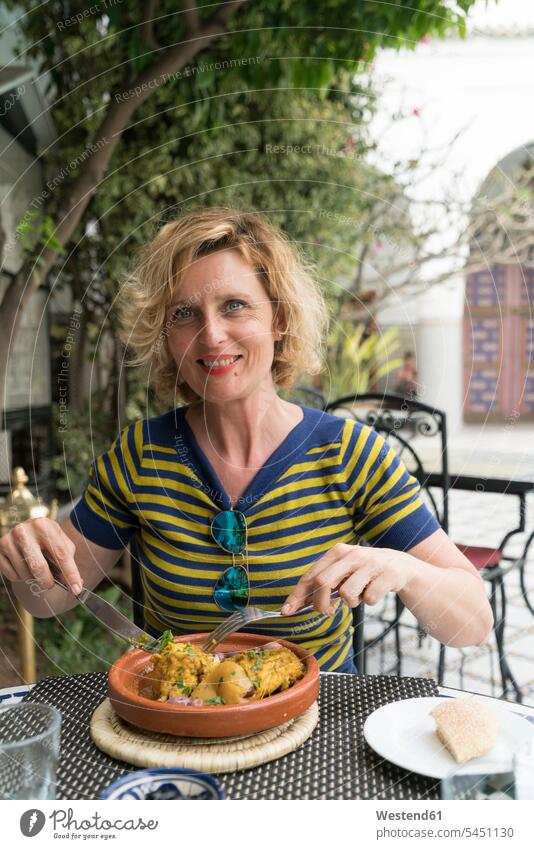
(245, 617)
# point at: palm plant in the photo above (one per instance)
(357, 359)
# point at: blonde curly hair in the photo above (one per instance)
(149, 289)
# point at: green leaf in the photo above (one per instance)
(165, 639)
(388, 367)
(54, 245)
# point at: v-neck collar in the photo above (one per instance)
(282, 458)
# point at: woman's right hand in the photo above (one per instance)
(23, 550)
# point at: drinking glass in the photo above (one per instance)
(29, 750)
(494, 781)
(524, 771)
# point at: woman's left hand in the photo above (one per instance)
(357, 572)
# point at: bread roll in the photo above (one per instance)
(467, 727)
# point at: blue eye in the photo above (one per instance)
(230, 304)
(181, 313)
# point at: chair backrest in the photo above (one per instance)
(416, 431)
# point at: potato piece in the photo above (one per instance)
(212, 676)
(204, 691)
(233, 682)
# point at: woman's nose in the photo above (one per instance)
(212, 331)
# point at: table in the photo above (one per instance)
(335, 763)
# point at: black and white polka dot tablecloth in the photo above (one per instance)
(335, 763)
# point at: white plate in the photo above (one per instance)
(404, 733)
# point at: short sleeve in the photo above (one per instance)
(104, 514)
(388, 510)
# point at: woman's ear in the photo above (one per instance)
(279, 327)
(279, 322)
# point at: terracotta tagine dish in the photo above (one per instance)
(129, 695)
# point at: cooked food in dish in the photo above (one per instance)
(467, 727)
(178, 670)
(183, 674)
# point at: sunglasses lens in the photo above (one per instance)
(231, 590)
(229, 530)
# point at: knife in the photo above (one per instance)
(107, 615)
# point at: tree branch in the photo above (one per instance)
(147, 27)
(190, 16)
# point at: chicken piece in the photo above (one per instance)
(270, 670)
(178, 670)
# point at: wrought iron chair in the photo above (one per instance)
(400, 420)
(405, 423)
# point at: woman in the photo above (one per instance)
(240, 494)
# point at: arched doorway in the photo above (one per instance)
(499, 330)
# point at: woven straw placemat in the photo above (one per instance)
(148, 749)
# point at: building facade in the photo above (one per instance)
(473, 334)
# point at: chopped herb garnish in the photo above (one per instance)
(218, 700)
(252, 654)
(166, 638)
(186, 689)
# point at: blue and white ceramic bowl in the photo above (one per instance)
(166, 784)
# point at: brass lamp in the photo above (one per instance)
(18, 507)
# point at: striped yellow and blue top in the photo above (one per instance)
(330, 481)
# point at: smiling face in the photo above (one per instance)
(221, 335)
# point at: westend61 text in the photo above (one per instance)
(408, 815)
